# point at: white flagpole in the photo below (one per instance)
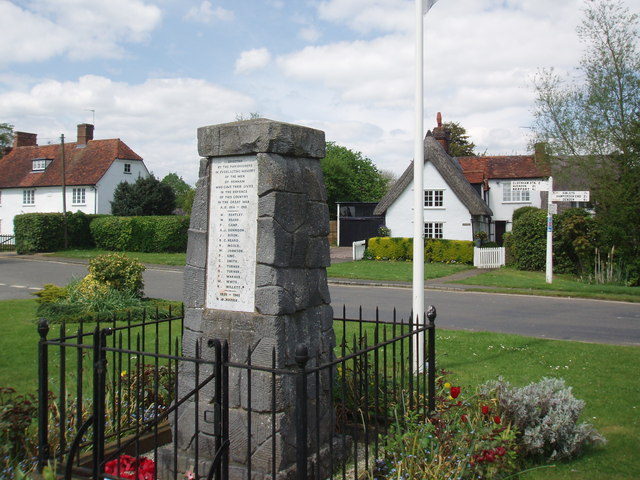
(418, 188)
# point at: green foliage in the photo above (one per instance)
(459, 145)
(141, 234)
(435, 249)
(51, 293)
(546, 416)
(529, 239)
(390, 248)
(6, 137)
(350, 177)
(575, 241)
(147, 196)
(119, 272)
(448, 251)
(17, 425)
(517, 213)
(79, 230)
(464, 439)
(593, 123)
(38, 232)
(183, 192)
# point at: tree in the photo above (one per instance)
(6, 137)
(459, 145)
(147, 196)
(183, 192)
(592, 124)
(351, 177)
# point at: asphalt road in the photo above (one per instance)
(557, 318)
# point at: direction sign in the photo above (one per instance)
(530, 185)
(577, 196)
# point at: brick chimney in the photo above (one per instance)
(442, 134)
(85, 133)
(24, 139)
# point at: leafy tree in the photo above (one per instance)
(147, 196)
(460, 145)
(592, 123)
(351, 177)
(6, 137)
(183, 192)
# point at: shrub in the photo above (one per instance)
(546, 415)
(38, 232)
(17, 419)
(119, 272)
(575, 241)
(391, 248)
(529, 239)
(141, 234)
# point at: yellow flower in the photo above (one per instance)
(123, 373)
(447, 385)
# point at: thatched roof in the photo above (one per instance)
(452, 174)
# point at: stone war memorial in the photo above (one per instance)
(256, 278)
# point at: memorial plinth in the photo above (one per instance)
(256, 277)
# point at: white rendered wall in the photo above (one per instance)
(110, 180)
(46, 199)
(454, 216)
(503, 211)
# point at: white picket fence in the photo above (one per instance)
(488, 257)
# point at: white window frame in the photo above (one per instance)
(434, 198)
(79, 196)
(433, 229)
(29, 197)
(39, 164)
(127, 168)
(519, 196)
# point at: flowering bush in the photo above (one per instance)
(546, 415)
(126, 466)
(466, 438)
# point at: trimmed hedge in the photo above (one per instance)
(141, 234)
(435, 250)
(38, 232)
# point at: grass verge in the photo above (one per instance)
(173, 259)
(509, 280)
(391, 271)
(599, 374)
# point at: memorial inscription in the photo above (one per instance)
(232, 244)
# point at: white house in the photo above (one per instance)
(31, 175)
(462, 196)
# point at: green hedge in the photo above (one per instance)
(435, 250)
(141, 234)
(38, 232)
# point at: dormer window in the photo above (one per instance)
(40, 164)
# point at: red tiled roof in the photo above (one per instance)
(477, 169)
(83, 166)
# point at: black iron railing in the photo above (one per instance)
(7, 243)
(139, 383)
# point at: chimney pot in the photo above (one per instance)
(442, 134)
(85, 133)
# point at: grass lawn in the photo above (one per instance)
(517, 281)
(602, 375)
(391, 271)
(175, 259)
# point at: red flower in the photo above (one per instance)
(464, 418)
(497, 419)
(500, 451)
(485, 410)
(454, 392)
(125, 466)
(489, 456)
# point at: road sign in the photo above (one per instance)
(570, 196)
(530, 185)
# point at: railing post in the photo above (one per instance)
(99, 392)
(302, 356)
(431, 315)
(43, 394)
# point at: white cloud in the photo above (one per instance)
(309, 34)
(365, 16)
(205, 13)
(49, 28)
(158, 118)
(251, 60)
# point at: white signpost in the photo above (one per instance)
(552, 209)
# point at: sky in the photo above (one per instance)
(151, 72)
